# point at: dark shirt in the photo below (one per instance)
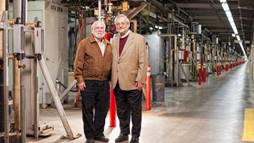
(122, 43)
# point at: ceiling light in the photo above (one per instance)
(222, 1)
(238, 38)
(229, 14)
(225, 7)
(230, 18)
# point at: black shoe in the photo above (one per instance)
(134, 140)
(89, 140)
(101, 139)
(121, 138)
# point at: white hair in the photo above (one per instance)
(97, 22)
(126, 19)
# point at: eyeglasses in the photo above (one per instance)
(121, 23)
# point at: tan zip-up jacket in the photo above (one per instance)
(89, 63)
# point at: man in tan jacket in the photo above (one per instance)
(128, 77)
(92, 70)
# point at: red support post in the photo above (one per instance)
(220, 70)
(148, 89)
(112, 100)
(217, 70)
(204, 74)
(199, 76)
(112, 109)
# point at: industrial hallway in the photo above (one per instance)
(211, 113)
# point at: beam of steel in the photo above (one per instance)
(68, 89)
(205, 17)
(56, 98)
(5, 77)
(136, 11)
(203, 6)
(212, 18)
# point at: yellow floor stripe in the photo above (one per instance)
(248, 129)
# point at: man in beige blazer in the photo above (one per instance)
(129, 69)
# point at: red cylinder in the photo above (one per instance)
(112, 109)
(185, 56)
(217, 70)
(220, 69)
(199, 76)
(148, 90)
(204, 74)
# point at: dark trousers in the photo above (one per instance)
(129, 103)
(95, 104)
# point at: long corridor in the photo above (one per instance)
(211, 113)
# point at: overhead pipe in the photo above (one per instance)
(161, 7)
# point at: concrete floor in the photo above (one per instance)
(211, 113)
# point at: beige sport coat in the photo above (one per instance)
(131, 65)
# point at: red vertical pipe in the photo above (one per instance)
(199, 76)
(217, 70)
(112, 106)
(148, 90)
(112, 109)
(204, 74)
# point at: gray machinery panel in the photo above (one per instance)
(156, 55)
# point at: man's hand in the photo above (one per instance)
(81, 86)
(139, 85)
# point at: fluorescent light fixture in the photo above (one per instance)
(158, 27)
(238, 37)
(234, 28)
(225, 7)
(222, 1)
(228, 13)
(231, 20)
(241, 45)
